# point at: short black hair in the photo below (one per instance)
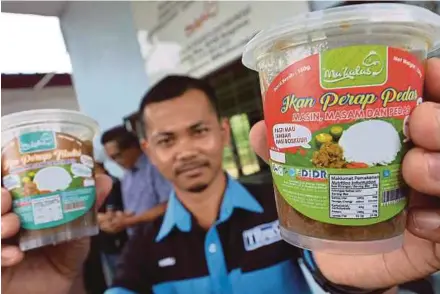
(173, 86)
(124, 138)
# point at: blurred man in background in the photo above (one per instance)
(100, 265)
(143, 187)
(111, 244)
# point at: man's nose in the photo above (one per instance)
(186, 150)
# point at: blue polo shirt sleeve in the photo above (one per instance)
(119, 291)
(132, 275)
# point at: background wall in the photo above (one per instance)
(108, 72)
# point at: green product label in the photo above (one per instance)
(359, 66)
(340, 197)
(337, 128)
(53, 209)
(37, 141)
(50, 177)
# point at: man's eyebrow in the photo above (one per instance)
(168, 133)
(197, 125)
(162, 134)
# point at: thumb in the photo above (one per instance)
(129, 213)
(258, 139)
(425, 223)
(119, 213)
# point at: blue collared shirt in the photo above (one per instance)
(236, 196)
(242, 252)
(143, 187)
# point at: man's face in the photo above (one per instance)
(126, 158)
(185, 140)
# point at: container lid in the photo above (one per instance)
(47, 116)
(340, 17)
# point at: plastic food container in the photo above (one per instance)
(338, 87)
(47, 165)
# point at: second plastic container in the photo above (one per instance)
(47, 165)
(338, 87)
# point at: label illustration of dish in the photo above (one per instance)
(50, 177)
(338, 130)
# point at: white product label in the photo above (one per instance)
(354, 196)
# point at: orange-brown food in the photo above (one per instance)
(329, 155)
(293, 220)
(30, 188)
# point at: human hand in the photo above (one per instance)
(50, 269)
(114, 222)
(420, 255)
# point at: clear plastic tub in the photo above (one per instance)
(338, 86)
(48, 166)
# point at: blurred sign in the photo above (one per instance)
(198, 37)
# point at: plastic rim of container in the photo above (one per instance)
(32, 117)
(342, 247)
(362, 14)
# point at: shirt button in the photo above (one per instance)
(212, 248)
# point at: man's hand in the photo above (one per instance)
(114, 222)
(50, 269)
(420, 255)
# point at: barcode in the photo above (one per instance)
(69, 207)
(393, 196)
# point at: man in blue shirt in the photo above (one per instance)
(143, 187)
(217, 236)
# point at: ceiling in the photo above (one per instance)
(47, 8)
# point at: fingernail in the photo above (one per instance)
(434, 165)
(426, 220)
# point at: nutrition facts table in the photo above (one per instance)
(354, 196)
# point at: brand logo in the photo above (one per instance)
(312, 174)
(37, 141)
(167, 261)
(261, 235)
(353, 67)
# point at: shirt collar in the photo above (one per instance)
(141, 162)
(236, 196)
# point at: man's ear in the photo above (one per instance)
(145, 146)
(226, 130)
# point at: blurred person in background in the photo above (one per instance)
(110, 244)
(100, 265)
(144, 190)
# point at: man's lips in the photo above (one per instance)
(188, 168)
